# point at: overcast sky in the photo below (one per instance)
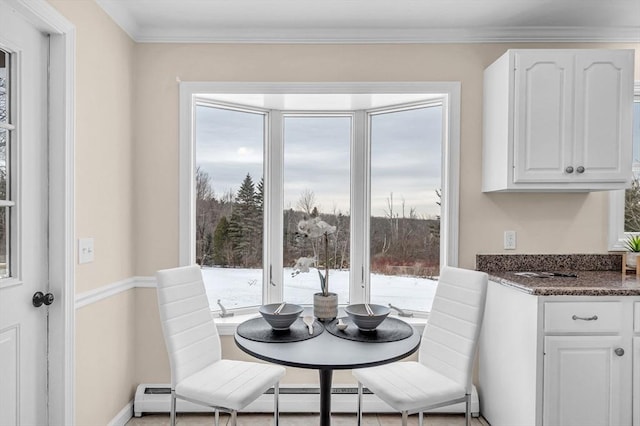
(405, 157)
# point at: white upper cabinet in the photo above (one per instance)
(558, 120)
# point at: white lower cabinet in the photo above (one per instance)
(636, 380)
(559, 360)
(586, 381)
(636, 364)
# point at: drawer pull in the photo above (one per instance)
(593, 318)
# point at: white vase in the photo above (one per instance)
(632, 259)
(325, 308)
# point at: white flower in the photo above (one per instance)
(302, 265)
(314, 228)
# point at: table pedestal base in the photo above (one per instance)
(325, 396)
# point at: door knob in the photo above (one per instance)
(619, 351)
(569, 169)
(40, 299)
(580, 169)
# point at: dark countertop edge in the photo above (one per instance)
(565, 291)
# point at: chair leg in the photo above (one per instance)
(276, 402)
(467, 413)
(405, 418)
(420, 418)
(217, 416)
(359, 404)
(234, 417)
(172, 415)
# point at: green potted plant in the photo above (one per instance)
(632, 244)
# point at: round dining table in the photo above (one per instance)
(327, 352)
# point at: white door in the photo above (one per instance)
(23, 220)
(543, 119)
(587, 381)
(604, 91)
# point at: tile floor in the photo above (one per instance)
(288, 419)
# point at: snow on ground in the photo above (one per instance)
(238, 287)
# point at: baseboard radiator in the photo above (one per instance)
(156, 398)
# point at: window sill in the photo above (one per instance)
(227, 326)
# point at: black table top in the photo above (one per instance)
(327, 351)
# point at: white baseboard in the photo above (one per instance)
(289, 402)
(123, 416)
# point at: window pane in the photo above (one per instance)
(4, 87)
(632, 195)
(5, 235)
(316, 185)
(229, 204)
(4, 242)
(4, 118)
(405, 207)
(4, 138)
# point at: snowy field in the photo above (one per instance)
(237, 287)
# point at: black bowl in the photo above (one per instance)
(283, 320)
(361, 318)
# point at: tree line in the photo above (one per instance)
(229, 232)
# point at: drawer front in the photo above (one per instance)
(582, 317)
(636, 317)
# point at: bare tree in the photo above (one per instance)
(204, 231)
(307, 202)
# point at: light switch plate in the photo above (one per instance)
(85, 250)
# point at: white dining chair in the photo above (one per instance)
(442, 375)
(198, 372)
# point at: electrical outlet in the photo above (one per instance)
(509, 240)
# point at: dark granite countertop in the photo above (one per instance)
(596, 274)
(587, 283)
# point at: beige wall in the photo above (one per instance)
(127, 177)
(105, 358)
(105, 339)
(104, 120)
(546, 223)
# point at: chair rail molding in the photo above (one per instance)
(89, 297)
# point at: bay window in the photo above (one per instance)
(624, 205)
(382, 171)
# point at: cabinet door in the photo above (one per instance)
(586, 382)
(603, 93)
(543, 116)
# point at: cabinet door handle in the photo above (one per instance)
(593, 318)
(569, 169)
(580, 169)
(619, 351)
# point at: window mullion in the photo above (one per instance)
(273, 243)
(359, 274)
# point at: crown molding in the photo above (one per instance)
(391, 36)
(238, 33)
(122, 17)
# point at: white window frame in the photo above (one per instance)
(359, 277)
(617, 236)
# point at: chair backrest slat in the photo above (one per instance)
(451, 335)
(190, 334)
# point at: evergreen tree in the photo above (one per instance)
(221, 244)
(260, 195)
(632, 207)
(245, 227)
